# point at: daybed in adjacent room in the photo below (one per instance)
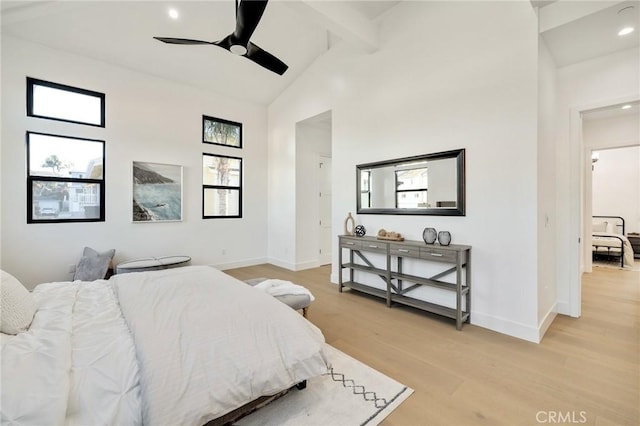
(609, 240)
(177, 346)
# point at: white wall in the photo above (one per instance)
(428, 89)
(312, 141)
(616, 185)
(546, 188)
(595, 83)
(148, 119)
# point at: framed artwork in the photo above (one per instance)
(221, 132)
(157, 192)
(221, 186)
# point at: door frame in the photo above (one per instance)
(324, 258)
(580, 228)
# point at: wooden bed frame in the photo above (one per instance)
(609, 254)
(250, 407)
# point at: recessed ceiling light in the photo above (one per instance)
(625, 31)
(173, 14)
(626, 106)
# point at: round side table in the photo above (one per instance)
(152, 264)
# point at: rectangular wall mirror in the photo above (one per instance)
(431, 184)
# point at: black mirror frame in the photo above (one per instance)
(459, 210)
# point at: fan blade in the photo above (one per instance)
(257, 55)
(170, 40)
(225, 43)
(265, 59)
(248, 15)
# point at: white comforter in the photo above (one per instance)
(75, 365)
(602, 241)
(208, 343)
(179, 346)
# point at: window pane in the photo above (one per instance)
(222, 132)
(412, 179)
(65, 157)
(221, 202)
(61, 104)
(412, 199)
(365, 177)
(65, 200)
(365, 200)
(223, 171)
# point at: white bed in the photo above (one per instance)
(609, 240)
(177, 346)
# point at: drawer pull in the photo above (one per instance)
(350, 244)
(436, 254)
(372, 246)
(403, 250)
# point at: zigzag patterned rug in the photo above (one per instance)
(351, 394)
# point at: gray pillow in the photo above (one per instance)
(93, 265)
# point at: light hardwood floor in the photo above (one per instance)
(585, 371)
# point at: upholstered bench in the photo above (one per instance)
(294, 301)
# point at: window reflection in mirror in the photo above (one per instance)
(431, 184)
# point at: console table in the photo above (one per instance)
(455, 258)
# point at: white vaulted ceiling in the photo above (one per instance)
(296, 31)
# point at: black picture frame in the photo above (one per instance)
(227, 128)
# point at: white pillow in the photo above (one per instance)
(17, 305)
(599, 227)
(610, 229)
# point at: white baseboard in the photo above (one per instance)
(563, 308)
(299, 266)
(546, 322)
(506, 326)
(241, 263)
(307, 265)
(282, 264)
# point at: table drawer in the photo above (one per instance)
(375, 247)
(351, 244)
(434, 254)
(404, 251)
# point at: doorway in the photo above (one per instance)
(313, 182)
(611, 151)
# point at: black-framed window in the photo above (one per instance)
(412, 188)
(218, 131)
(221, 186)
(60, 102)
(65, 179)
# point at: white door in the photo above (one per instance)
(324, 192)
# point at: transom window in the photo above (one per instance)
(65, 103)
(65, 179)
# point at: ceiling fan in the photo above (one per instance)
(248, 15)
